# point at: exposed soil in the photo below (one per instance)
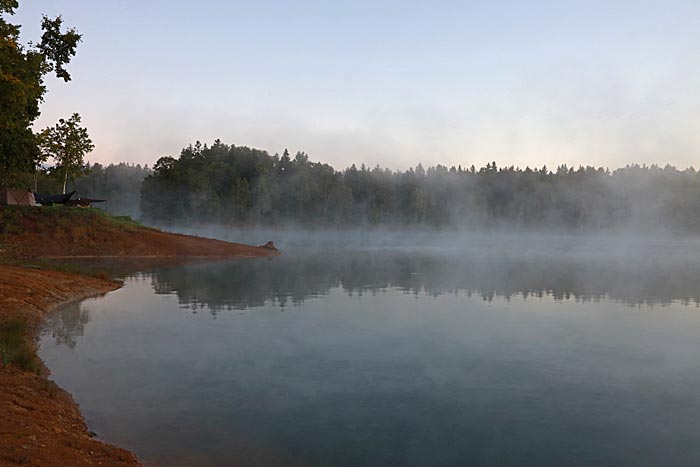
(40, 424)
(74, 232)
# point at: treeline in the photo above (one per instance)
(243, 186)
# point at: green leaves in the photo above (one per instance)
(18, 152)
(8, 6)
(58, 48)
(67, 143)
(22, 88)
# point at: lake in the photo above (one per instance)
(482, 352)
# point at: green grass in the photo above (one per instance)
(51, 388)
(70, 214)
(15, 348)
(84, 268)
(126, 220)
(78, 223)
(10, 221)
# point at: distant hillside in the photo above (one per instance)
(31, 232)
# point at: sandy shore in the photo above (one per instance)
(40, 424)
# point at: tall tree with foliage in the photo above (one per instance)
(244, 186)
(22, 87)
(67, 143)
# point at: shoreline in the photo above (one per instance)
(40, 423)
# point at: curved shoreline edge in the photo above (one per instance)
(40, 423)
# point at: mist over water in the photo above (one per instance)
(397, 348)
(297, 276)
(634, 268)
(506, 241)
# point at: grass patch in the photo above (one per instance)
(84, 268)
(51, 388)
(10, 221)
(13, 219)
(126, 220)
(15, 347)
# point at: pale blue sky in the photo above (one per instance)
(390, 83)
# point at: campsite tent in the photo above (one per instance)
(21, 197)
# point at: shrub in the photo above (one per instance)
(15, 348)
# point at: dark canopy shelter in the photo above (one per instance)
(49, 200)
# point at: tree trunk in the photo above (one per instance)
(65, 180)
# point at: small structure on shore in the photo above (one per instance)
(17, 197)
(66, 199)
(269, 246)
(50, 200)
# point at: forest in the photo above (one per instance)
(237, 185)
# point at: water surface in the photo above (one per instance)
(394, 357)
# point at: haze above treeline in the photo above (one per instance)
(394, 83)
(237, 185)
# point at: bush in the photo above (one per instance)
(15, 348)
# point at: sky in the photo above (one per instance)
(394, 83)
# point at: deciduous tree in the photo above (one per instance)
(22, 87)
(67, 143)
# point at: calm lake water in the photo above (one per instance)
(554, 355)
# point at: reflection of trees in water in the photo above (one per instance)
(292, 279)
(67, 324)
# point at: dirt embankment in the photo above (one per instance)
(40, 424)
(72, 232)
